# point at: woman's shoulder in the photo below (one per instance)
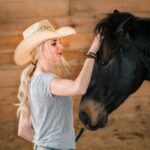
(43, 75)
(42, 78)
(41, 81)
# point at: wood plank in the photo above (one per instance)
(17, 9)
(8, 95)
(7, 1)
(9, 41)
(37, 8)
(16, 24)
(79, 41)
(9, 76)
(78, 55)
(6, 57)
(94, 6)
(8, 112)
(53, 7)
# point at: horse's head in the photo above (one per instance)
(121, 66)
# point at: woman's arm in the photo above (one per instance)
(25, 131)
(64, 87)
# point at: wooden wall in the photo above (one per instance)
(16, 15)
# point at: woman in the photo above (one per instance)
(45, 107)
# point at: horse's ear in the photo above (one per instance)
(116, 11)
(128, 25)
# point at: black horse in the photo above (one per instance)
(122, 64)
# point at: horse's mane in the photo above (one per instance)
(112, 20)
(112, 23)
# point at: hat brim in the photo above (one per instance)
(23, 51)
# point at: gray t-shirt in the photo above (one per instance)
(52, 116)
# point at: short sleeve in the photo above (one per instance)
(45, 83)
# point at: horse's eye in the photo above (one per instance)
(103, 63)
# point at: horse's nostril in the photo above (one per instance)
(84, 117)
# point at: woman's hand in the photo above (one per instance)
(25, 131)
(96, 44)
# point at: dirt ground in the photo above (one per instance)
(128, 129)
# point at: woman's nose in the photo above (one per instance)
(60, 47)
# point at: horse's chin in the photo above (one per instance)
(96, 127)
(94, 123)
(99, 125)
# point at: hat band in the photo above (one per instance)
(32, 31)
(45, 27)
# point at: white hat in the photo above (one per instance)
(35, 35)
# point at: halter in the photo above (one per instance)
(79, 134)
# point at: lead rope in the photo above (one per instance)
(79, 134)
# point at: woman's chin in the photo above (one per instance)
(57, 61)
(58, 58)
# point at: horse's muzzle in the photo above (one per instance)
(93, 125)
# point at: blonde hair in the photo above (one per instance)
(23, 93)
(63, 68)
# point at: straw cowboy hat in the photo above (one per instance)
(35, 35)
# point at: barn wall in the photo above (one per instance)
(16, 15)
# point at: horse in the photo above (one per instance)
(122, 64)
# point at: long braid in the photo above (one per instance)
(23, 94)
